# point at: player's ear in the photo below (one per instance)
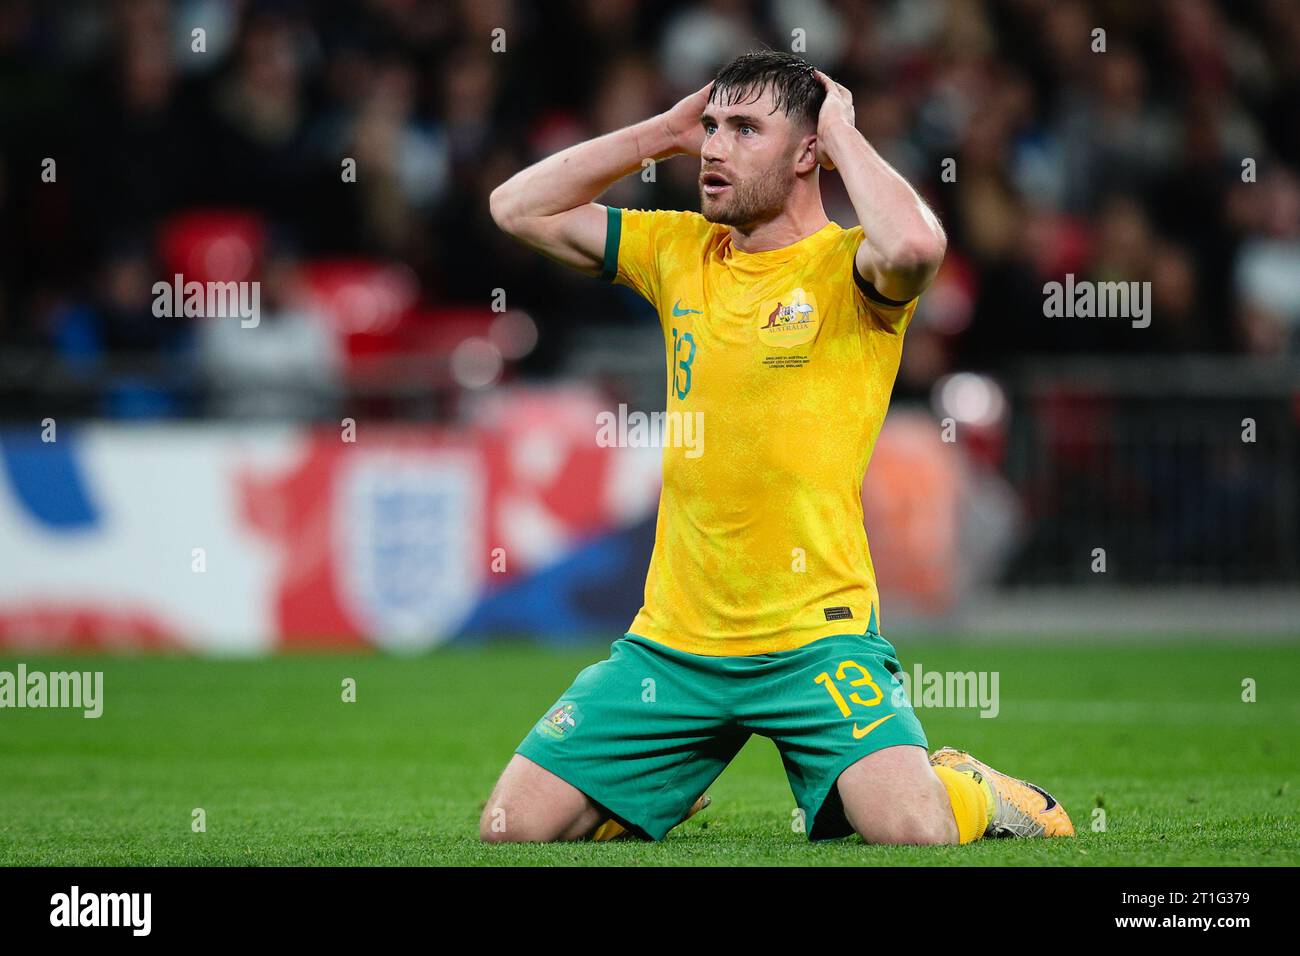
(806, 158)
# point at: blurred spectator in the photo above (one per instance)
(1124, 164)
(117, 322)
(287, 366)
(1267, 272)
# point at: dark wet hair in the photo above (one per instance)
(795, 88)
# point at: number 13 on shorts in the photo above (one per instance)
(863, 680)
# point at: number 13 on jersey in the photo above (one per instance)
(683, 356)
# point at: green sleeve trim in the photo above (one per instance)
(613, 232)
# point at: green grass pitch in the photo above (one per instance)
(287, 773)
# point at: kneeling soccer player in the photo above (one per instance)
(783, 332)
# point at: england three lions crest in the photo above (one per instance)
(407, 524)
(790, 320)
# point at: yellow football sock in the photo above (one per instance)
(611, 829)
(970, 803)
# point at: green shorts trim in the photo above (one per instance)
(646, 731)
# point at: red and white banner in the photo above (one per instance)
(248, 539)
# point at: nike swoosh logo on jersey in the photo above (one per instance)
(860, 732)
(679, 311)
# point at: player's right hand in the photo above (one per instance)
(683, 121)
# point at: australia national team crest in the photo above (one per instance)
(788, 321)
(560, 721)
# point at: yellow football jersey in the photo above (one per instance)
(780, 369)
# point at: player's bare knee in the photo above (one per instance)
(923, 818)
(507, 820)
(927, 830)
(910, 828)
(492, 825)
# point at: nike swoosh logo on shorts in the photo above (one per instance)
(860, 732)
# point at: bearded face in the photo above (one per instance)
(749, 159)
(732, 198)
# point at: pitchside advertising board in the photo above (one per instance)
(238, 540)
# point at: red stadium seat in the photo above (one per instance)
(372, 306)
(439, 331)
(213, 245)
(366, 302)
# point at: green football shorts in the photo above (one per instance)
(644, 733)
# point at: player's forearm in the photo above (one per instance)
(577, 175)
(906, 243)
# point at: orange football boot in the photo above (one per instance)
(1019, 808)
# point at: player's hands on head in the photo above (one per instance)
(837, 108)
(683, 121)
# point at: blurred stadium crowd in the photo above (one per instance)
(1126, 164)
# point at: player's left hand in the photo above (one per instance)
(836, 109)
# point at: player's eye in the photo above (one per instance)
(709, 128)
(746, 130)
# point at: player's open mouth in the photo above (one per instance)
(713, 183)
